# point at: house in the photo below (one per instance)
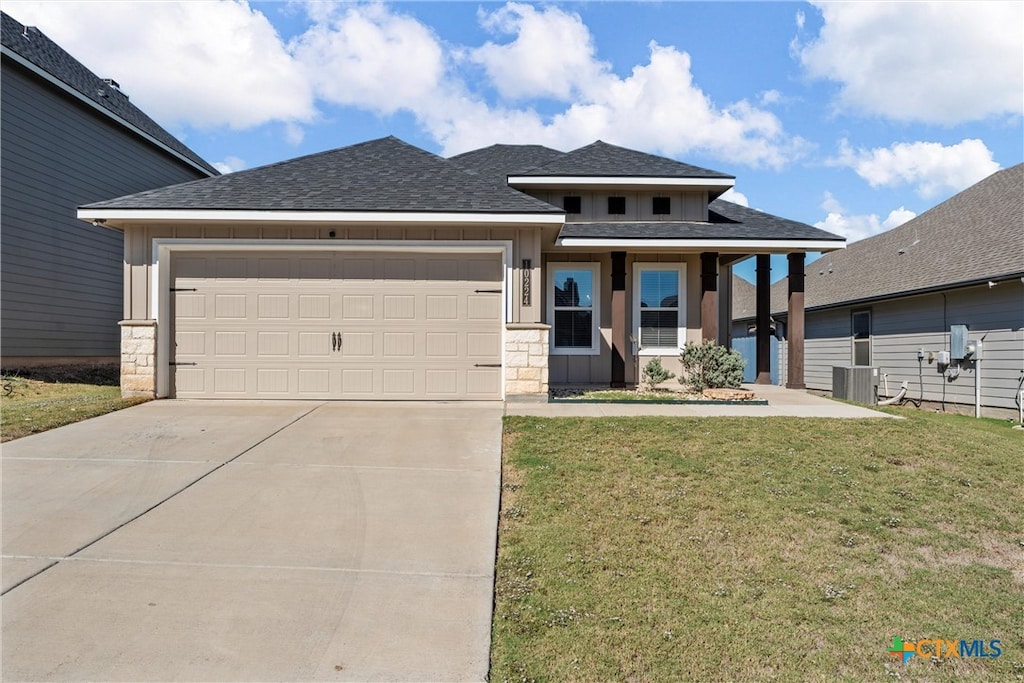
(382, 271)
(896, 300)
(69, 138)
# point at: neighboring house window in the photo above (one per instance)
(861, 337)
(658, 289)
(573, 296)
(616, 205)
(572, 204)
(661, 206)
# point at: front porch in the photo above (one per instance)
(611, 312)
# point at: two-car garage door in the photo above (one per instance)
(337, 325)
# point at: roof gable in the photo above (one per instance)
(384, 175)
(599, 159)
(35, 47)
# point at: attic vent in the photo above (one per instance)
(616, 205)
(113, 84)
(572, 204)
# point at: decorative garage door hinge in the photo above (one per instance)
(175, 363)
(184, 289)
(487, 291)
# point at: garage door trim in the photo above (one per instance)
(160, 276)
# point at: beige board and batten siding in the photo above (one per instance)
(138, 253)
(685, 206)
(337, 325)
(596, 368)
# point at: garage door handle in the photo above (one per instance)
(335, 341)
(487, 291)
(486, 365)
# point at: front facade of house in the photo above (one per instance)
(380, 271)
(69, 137)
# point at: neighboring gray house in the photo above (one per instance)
(381, 271)
(881, 300)
(69, 138)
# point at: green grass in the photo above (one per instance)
(43, 399)
(665, 549)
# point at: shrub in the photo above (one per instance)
(654, 374)
(710, 366)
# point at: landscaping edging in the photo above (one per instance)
(681, 402)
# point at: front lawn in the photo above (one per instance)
(739, 549)
(37, 400)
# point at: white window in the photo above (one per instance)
(659, 290)
(860, 321)
(573, 296)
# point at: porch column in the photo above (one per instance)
(764, 312)
(795, 323)
(618, 319)
(709, 296)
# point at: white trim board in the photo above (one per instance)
(619, 181)
(214, 215)
(705, 244)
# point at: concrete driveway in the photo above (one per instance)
(246, 541)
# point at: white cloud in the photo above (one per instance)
(198, 63)
(230, 165)
(656, 108)
(801, 19)
(898, 217)
(209, 64)
(372, 58)
(930, 167)
(731, 195)
(937, 62)
(858, 227)
(552, 55)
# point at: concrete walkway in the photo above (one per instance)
(215, 541)
(782, 402)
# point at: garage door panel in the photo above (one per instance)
(367, 337)
(314, 306)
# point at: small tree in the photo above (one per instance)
(654, 374)
(710, 366)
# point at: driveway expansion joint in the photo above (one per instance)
(184, 488)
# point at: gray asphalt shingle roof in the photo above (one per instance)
(726, 221)
(974, 236)
(500, 161)
(599, 159)
(32, 45)
(384, 175)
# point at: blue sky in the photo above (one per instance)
(854, 117)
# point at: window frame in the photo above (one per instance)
(595, 331)
(639, 267)
(865, 341)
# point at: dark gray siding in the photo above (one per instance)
(899, 327)
(61, 278)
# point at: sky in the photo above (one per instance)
(850, 116)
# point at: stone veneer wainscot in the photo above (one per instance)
(138, 358)
(526, 358)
